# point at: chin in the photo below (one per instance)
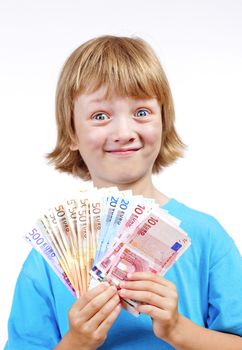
(126, 179)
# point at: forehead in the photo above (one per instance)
(99, 95)
(104, 96)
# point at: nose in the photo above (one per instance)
(123, 131)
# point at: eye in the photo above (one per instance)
(100, 116)
(142, 113)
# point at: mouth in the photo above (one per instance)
(123, 151)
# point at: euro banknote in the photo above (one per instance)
(104, 234)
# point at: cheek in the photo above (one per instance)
(91, 140)
(153, 134)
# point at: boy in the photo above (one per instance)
(115, 121)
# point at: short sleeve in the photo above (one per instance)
(32, 324)
(225, 284)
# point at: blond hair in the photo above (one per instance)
(127, 66)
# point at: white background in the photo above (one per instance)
(200, 46)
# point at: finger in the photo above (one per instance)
(154, 312)
(97, 303)
(108, 322)
(149, 276)
(90, 295)
(150, 286)
(146, 298)
(104, 312)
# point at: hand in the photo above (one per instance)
(159, 300)
(91, 316)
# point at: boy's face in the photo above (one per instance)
(119, 138)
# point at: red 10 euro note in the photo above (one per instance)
(153, 246)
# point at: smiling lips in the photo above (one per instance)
(123, 150)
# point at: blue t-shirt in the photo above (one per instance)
(208, 277)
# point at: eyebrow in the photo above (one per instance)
(98, 100)
(103, 99)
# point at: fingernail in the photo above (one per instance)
(106, 284)
(129, 275)
(122, 292)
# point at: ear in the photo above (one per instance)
(74, 145)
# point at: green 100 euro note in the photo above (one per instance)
(102, 235)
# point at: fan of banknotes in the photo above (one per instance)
(103, 234)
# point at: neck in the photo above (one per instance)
(145, 188)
